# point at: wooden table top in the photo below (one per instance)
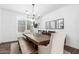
(38, 39)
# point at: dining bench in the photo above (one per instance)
(26, 46)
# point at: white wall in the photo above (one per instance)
(0, 25)
(70, 13)
(8, 25)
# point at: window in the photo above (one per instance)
(21, 25)
(55, 24)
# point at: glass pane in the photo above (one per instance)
(21, 26)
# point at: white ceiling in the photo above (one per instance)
(41, 10)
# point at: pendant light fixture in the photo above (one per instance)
(34, 13)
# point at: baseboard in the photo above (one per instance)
(8, 42)
(72, 50)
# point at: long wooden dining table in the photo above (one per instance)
(38, 39)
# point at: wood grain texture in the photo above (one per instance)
(5, 47)
(27, 47)
(72, 50)
(38, 39)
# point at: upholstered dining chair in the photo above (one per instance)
(55, 46)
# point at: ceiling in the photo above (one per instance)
(41, 9)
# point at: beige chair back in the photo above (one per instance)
(56, 44)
